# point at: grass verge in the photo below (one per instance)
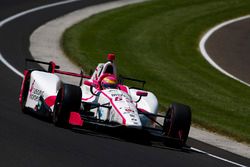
(158, 41)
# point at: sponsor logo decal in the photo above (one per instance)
(32, 87)
(39, 104)
(128, 110)
(35, 93)
(121, 97)
(118, 98)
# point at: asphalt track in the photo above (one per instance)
(29, 141)
(229, 48)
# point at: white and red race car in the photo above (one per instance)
(102, 100)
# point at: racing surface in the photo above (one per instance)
(229, 48)
(26, 140)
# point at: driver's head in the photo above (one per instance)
(109, 82)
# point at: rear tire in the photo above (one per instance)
(177, 123)
(68, 99)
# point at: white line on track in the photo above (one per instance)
(11, 18)
(206, 55)
(217, 157)
(216, 66)
(202, 48)
(7, 64)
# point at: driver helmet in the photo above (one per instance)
(109, 82)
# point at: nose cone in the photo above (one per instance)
(132, 120)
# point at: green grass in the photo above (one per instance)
(158, 41)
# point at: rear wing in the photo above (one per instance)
(53, 68)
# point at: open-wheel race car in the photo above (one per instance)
(101, 100)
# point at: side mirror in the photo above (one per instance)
(141, 93)
(89, 83)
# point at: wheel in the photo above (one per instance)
(68, 99)
(177, 123)
(25, 91)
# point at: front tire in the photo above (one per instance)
(177, 123)
(68, 99)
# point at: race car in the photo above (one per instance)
(101, 100)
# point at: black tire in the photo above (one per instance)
(68, 99)
(25, 93)
(177, 123)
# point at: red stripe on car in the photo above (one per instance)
(123, 119)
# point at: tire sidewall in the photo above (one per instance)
(177, 122)
(68, 99)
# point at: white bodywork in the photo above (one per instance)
(123, 101)
(42, 84)
(124, 106)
